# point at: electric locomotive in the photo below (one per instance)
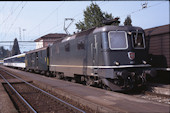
(113, 57)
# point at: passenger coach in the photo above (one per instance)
(17, 61)
(38, 60)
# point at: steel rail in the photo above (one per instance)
(46, 93)
(32, 109)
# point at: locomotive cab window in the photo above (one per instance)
(117, 40)
(138, 40)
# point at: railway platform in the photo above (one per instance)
(98, 99)
(6, 105)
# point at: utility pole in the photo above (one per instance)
(23, 34)
(20, 33)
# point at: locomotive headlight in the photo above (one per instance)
(116, 63)
(144, 62)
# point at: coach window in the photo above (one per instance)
(22, 59)
(117, 40)
(12, 60)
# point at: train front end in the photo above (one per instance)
(125, 57)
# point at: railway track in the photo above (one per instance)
(147, 94)
(6, 75)
(29, 98)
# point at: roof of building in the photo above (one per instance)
(51, 35)
(157, 30)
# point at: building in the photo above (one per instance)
(48, 39)
(158, 40)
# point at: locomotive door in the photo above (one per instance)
(36, 60)
(94, 51)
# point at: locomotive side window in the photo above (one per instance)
(80, 45)
(138, 40)
(20, 60)
(117, 40)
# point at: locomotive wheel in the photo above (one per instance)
(73, 80)
(89, 81)
(59, 75)
(106, 87)
(77, 78)
(47, 74)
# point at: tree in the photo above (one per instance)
(93, 17)
(128, 21)
(4, 53)
(15, 48)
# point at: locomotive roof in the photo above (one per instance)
(32, 51)
(83, 33)
(117, 28)
(101, 29)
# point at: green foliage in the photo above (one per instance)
(15, 48)
(107, 16)
(4, 53)
(81, 26)
(128, 21)
(93, 17)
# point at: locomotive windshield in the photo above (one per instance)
(117, 40)
(138, 40)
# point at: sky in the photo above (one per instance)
(29, 20)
